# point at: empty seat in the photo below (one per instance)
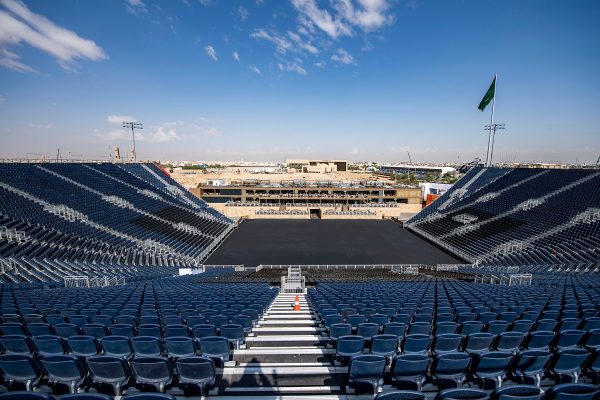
(39, 329)
(462, 394)
(468, 327)
(122, 330)
(349, 347)
(446, 327)
(198, 371)
(573, 391)
(367, 369)
(338, 330)
(26, 396)
(532, 363)
(234, 333)
(518, 392)
(202, 330)
(539, 340)
(95, 330)
(509, 341)
(546, 325)
(19, 368)
(419, 328)
(385, 345)
(181, 346)
(367, 330)
(66, 330)
(570, 362)
(453, 366)
(155, 371)
(49, 345)
(479, 343)
(83, 346)
(215, 347)
(149, 330)
(117, 346)
(394, 328)
(410, 367)
(416, 344)
(401, 395)
(497, 326)
(16, 344)
(569, 338)
(64, 370)
(522, 325)
(494, 365)
(446, 343)
(109, 370)
(176, 330)
(146, 346)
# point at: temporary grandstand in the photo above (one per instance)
(119, 284)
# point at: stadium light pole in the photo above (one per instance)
(133, 125)
(493, 128)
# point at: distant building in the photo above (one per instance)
(318, 166)
(436, 189)
(420, 171)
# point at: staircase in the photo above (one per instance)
(285, 355)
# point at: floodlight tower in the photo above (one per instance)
(133, 125)
(493, 128)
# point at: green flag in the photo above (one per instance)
(489, 95)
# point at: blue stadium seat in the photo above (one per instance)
(117, 346)
(83, 346)
(533, 364)
(573, 391)
(20, 368)
(109, 370)
(64, 370)
(367, 369)
(452, 366)
(197, 371)
(410, 367)
(180, 346)
(401, 395)
(494, 365)
(518, 392)
(215, 347)
(154, 371)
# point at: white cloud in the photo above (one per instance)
(311, 15)
(260, 2)
(211, 52)
(292, 67)
(163, 134)
(135, 7)
(368, 15)
(19, 25)
(354, 151)
(236, 56)
(285, 43)
(243, 13)
(320, 64)
(342, 56)
(282, 44)
(119, 119)
(206, 3)
(255, 69)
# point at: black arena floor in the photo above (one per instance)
(258, 242)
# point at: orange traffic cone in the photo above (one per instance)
(297, 304)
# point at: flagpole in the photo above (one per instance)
(492, 127)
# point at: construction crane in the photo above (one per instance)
(598, 161)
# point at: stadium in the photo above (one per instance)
(119, 283)
(299, 200)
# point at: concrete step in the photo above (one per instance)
(288, 322)
(286, 340)
(287, 330)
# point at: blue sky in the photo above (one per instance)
(275, 79)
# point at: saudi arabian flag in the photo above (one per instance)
(489, 95)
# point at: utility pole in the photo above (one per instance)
(133, 125)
